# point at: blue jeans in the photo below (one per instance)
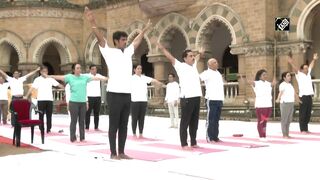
(213, 117)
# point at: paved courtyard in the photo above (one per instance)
(159, 156)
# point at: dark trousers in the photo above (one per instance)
(189, 118)
(46, 107)
(214, 112)
(11, 108)
(305, 112)
(119, 110)
(263, 115)
(138, 112)
(94, 104)
(77, 113)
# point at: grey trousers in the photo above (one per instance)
(287, 110)
(78, 113)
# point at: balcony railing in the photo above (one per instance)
(231, 90)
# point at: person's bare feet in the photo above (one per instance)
(186, 148)
(114, 157)
(124, 156)
(195, 146)
(140, 136)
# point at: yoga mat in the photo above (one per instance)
(271, 141)
(78, 143)
(231, 144)
(178, 147)
(142, 155)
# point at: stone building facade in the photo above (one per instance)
(240, 34)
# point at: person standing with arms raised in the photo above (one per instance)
(16, 86)
(215, 96)
(119, 62)
(190, 94)
(94, 98)
(45, 98)
(305, 91)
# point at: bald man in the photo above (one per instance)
(214, 96)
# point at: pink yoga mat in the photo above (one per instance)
(142, 155)
(257, 140)
(306, 138)
(178, 147)
(144, 139)
(232, 144)
(78, 143)
(312, 133)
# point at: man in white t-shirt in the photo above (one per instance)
(303, 76)
(119, 62)
(94, 98)
(214, 96)
(172, 99)
(16, 86)
(43, 84)
(189, 96)
(3, 100)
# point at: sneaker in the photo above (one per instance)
(124, 156)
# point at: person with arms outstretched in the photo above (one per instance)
(303, 76)
(44, 96)
(119, 62)
(189, 96)
(16, 86)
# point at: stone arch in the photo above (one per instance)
(134, 29)
(92, 53)
(16, 42)
(172, 20)
(65, 46)
(224, 14)
(299, 18)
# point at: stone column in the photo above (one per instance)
(66, 68)
(25, 68)
(159, 66)
(5, 68)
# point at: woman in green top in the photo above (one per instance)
(78, 99)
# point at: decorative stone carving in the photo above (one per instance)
(40, 12)
(294, 47)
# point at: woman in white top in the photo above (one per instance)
(172, 100)
(139, 98)
(44, 84)
(263, 102)
(286, 99)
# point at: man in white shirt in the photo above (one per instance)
(139, 98)
(3, 100)
(172, 100)
(94, 98)
(306, 92)
(214, 96)
(190, 95)
(43, 84)
(16, 86)
(119, 62)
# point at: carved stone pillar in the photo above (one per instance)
(25, 68)
(5, 68)
(159, 66)
(66, 68)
